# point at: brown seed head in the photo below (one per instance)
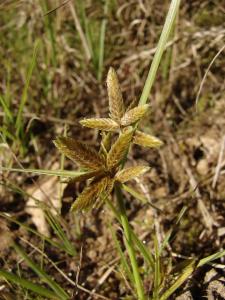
(146, 140)
(116, 106)
(119, 148)
(130, 173)
(105, 124)
(89, 195)
(79, 152)
(134, 115)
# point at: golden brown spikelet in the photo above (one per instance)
(105, 124)
(131, 173)
(110, 185)
(106, 141)
(134, 115)
(116, 106)
(132, 104)
(119, 148)
(89, 195)
(79, 152)
(108, 189)
(146, 140)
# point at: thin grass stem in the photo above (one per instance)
(129, 244)
(168, 25)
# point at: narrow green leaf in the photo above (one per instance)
(139, 196)
(102, 41)
(36, 288)
(187, 271)
(169, 234)
(45, 277)
(168, 25)
(60, 173)
(157, 271)
(138, 243)
(56, 226)
(43, 237)
(123, 259)
(6, 109)
(25, 90)
(210, 258)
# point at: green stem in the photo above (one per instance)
(168, 25)
(129, 244)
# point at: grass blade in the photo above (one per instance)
(45, 277)
(102, 42)
(38, 289)
(139, 196)
(210, 258)
(157, 270)
(123, 260)
(43, 237)
(128, 240)
(6, 109)
(170, 233)
(168, 25)
(138, 243)
(56, 226)
(187, 271)
(60, 173)
(25, 90)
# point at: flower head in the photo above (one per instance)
(103, 167)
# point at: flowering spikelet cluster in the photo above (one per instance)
(103, 167)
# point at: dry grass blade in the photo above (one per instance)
(130, 173)
(146, 140)
(116, 106)
(119, 149)
(134, 115)
(88, 197)
(105, 124)
(79, 152)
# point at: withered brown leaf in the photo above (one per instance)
(119, 148)
(105, 124)
(89, 195)
(130, 173)
(116, 105)
(146, 140)
(79, 152)
(134, 115)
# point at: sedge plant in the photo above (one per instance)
(104, 169)
(105, 173)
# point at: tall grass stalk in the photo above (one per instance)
(102, 41)
(129, 244)
(171, 16)
(173, 10)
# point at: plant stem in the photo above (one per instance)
(129, 244)
(173, 10)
